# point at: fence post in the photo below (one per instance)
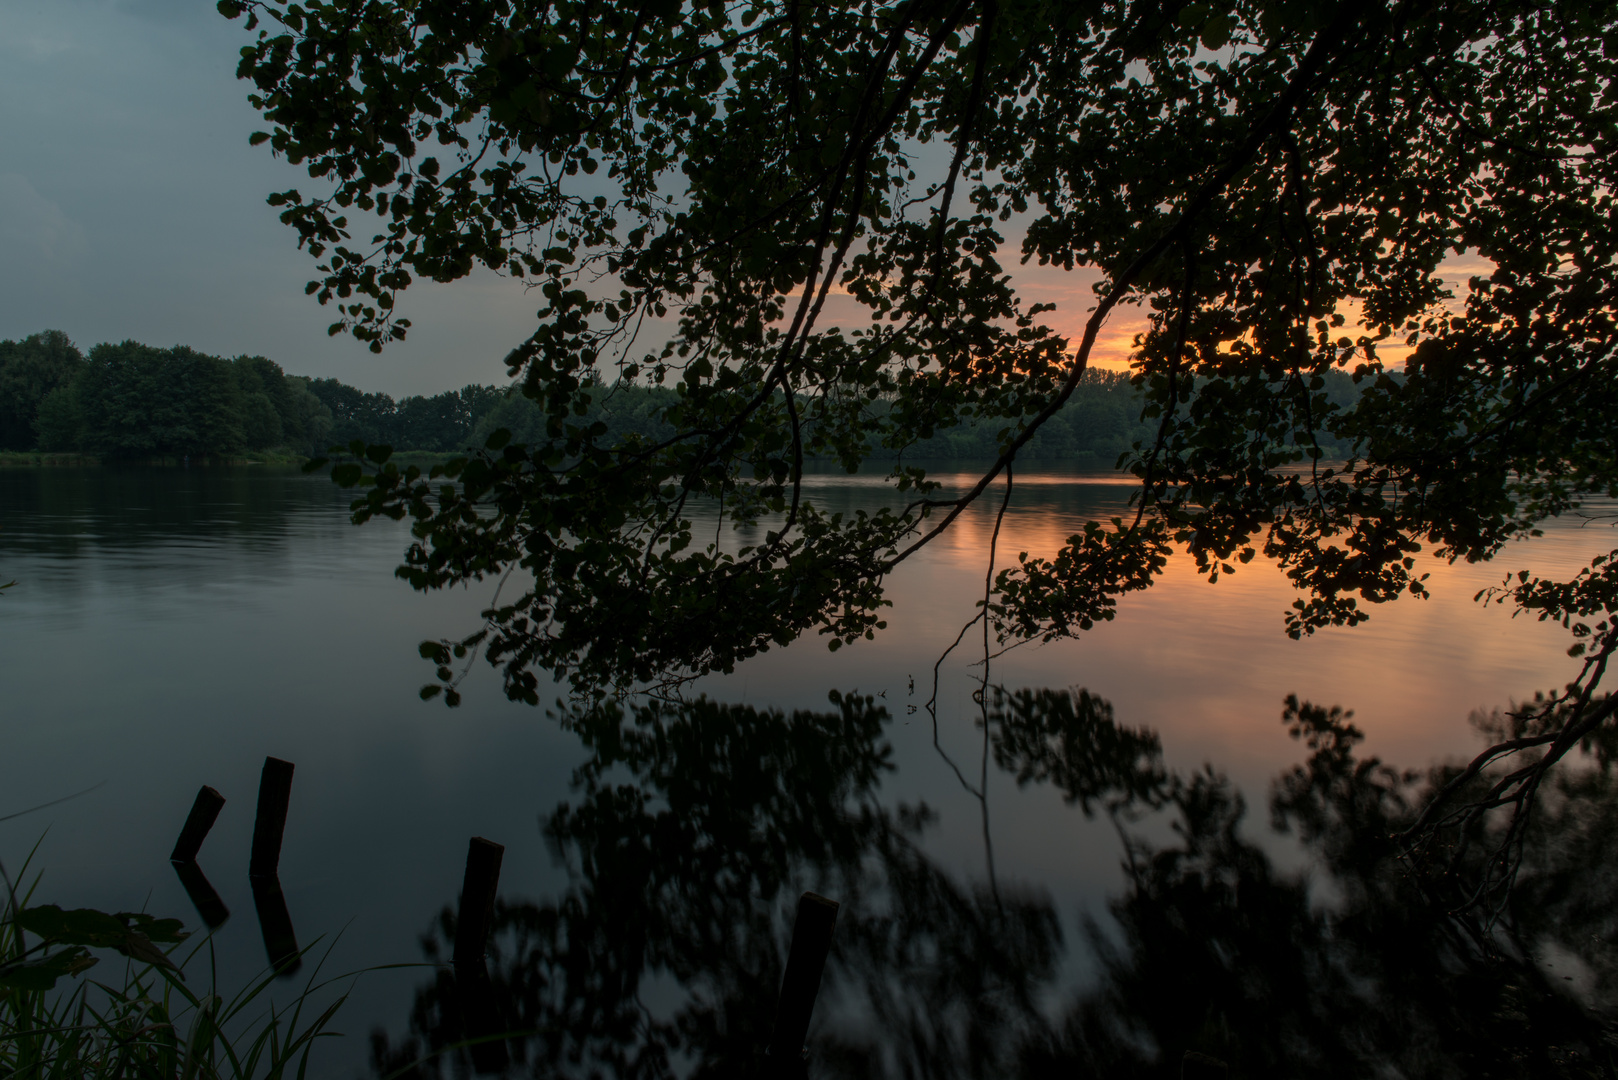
(274, 793)
(806, 961)
(204, 812)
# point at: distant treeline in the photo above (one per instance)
(1101, 421)
(135, 401)
(439, 424)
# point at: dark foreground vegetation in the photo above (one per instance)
(139, 1015)
(134, 401)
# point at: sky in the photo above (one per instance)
(131, 206)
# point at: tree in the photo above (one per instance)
(121, 400)
(1274, 186)
(444, 421)
(59, 425)
(355, 414)
(138, 401)
(31, 370)
(308, 423)
(132, 400)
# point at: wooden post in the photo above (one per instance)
(477, 900)
(274, 793)
(481, 1023)
(806, 961)
(204, 812)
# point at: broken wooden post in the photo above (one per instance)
(481, 1022)
(204, 812)
(274, 793)
(478, 887)
(806, 961)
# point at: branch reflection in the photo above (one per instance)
(693, 827)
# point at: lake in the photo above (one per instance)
(1003, 902)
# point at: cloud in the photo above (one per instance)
(33, 229)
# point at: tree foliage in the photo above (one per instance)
(32, 371)
(133, 400)
(139, 401)
(795, 218)
(1100, 422)
(440, 423)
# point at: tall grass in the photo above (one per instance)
(144, 1021)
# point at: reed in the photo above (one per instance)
(58, 1021)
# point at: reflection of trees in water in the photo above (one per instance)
(1215, 950)
(187, 527)
(692, 832)
(694, 827)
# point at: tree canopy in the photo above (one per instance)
(31, 370)
(129, 400)
(797, 217)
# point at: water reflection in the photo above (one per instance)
(71, 530)
(173, 627)
(1348, 971)
(692, 830)
(275, 923)
(204, 897)
(693, 827)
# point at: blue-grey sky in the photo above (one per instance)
(131, 206)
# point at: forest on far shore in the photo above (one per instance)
(137, 402)
(134, 401)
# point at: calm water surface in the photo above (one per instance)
(172, 627)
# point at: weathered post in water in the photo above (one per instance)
(806, 961)
(274, 793)
(204, 812)
(481, 1022)
(478, 889)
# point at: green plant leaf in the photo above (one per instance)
(128, 933)
(42, 972)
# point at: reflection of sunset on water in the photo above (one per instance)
(1208, 665)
